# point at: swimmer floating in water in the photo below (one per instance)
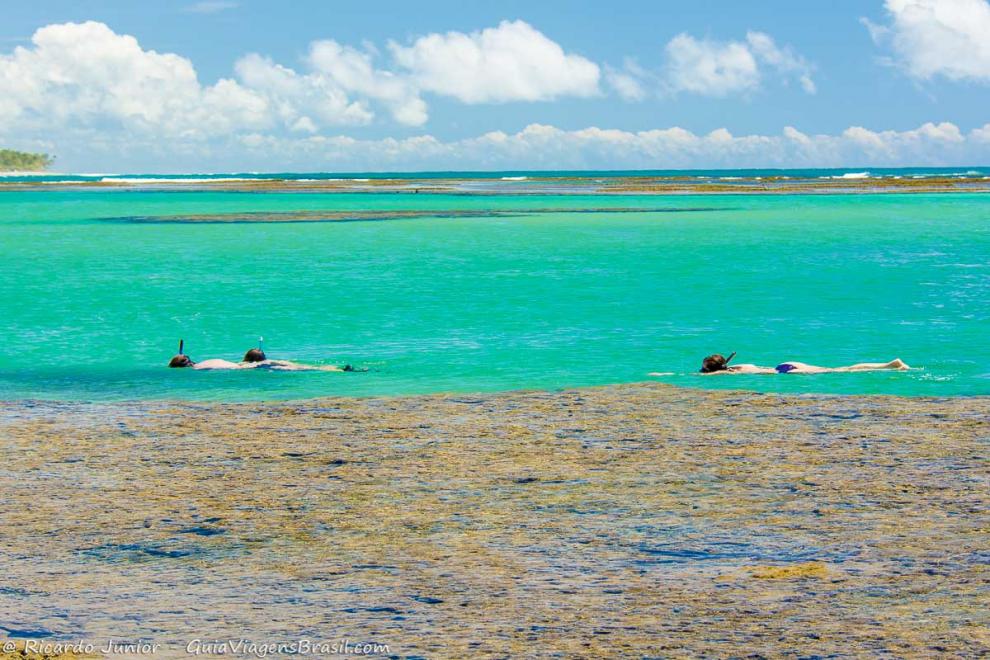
(254, 358)
(716, 364)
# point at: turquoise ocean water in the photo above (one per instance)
(560, 292)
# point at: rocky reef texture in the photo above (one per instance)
(539, 185)
(641, 519)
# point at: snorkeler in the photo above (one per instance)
(254, 358)
(180, 359)
(717, 364)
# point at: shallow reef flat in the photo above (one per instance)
(641, 520)
(534, 185)
(375, 216)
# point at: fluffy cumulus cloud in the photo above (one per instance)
(538, 146)
(679, 148)
(541, 146)
(511, 62)
(721, 68)
(931, 38)
(296, 100)
(354, 71)
(709, 67)
(98, 99)
(84, 76)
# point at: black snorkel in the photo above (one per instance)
(729, 359)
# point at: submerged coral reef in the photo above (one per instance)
(635, 519)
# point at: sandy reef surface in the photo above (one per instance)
(640, 520)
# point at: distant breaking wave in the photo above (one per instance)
(505, 180)
(125, 179)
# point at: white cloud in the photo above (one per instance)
(981, 134)
(84, 76)
(511, 62)
(794, 134)
(298, 100)
(710, 68)
(97, 99)
(210, 6)
(353, 71)
(629, 82)
(716, 68)
(784, 60)
(538, 146)
(908, 146)
(541, 146)
(931, 38)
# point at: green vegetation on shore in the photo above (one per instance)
(21, 161)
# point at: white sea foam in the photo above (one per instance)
(514, 178)
(853, 175)
(115, 179)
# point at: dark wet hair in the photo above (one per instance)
(255, 355)
(714, 363)
(179, 361)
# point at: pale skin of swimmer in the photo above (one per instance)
(276, 365)
(801, 368)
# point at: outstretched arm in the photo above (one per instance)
(285, 365)
(748, 369)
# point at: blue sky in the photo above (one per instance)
(390, 85)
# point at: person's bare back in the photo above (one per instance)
(716, 364)
(254, 358)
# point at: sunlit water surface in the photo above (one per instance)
(94, 303)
